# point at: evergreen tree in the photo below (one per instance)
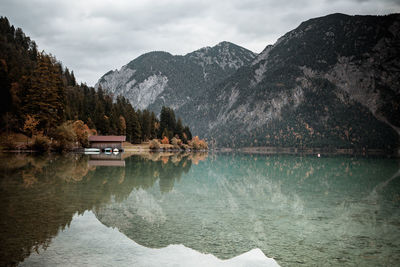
(146, 125)
(133, 130)
(179, 129)
(5, 87)
(171, 122)
(136, 132)
(163, 121)
(122, 125)
(153, 123)
(90, 124)
(73, 80)
(167, 123)
(33, 51)
(187, 132)
(114, 122)
(99, 118)
(45, 96)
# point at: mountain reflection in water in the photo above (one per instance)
(298, 210)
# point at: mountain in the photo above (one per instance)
(331, 82)
(159, 78)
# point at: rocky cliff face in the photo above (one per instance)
(331, 82)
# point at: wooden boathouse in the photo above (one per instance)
(106, 141)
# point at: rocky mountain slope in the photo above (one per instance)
(331, 82)
(159, 78)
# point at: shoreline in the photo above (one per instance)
(139, 149)
(312, 151)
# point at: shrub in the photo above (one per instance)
(186, 147)
(176, 142)
(194, 143)
(154, 144)
(203, 144)
(165, 140)
(41, 143)
(65, 137)
(198, 144)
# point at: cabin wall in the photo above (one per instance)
(102, 145)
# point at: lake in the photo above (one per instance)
(199, 209)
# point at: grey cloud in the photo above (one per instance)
(92, 37)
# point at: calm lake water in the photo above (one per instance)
(199, 209)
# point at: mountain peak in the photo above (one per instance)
(225, 43)
(224, 54)
(221, 45)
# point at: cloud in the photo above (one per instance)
(93, 36)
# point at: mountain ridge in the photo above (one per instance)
(150, 79)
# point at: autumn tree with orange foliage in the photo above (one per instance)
(82, 132)
(30, 125)
(165, 140)
(197, 143)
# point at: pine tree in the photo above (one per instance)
(187, 132)
(73, 80)
(163, 121)
(45, 95)
(122, 125)
(99, 118)
(90, 124)
(146, 125)
(133, 130)
(167, 122)
(5, 87)
(179, 129)
(33, 51)
(136, 132)
(153, 125)
(171, 122)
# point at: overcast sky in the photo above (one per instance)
(92, 37)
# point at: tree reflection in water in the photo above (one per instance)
(40, 194)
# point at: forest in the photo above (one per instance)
(41, 99)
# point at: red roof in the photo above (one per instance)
(107, 138)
